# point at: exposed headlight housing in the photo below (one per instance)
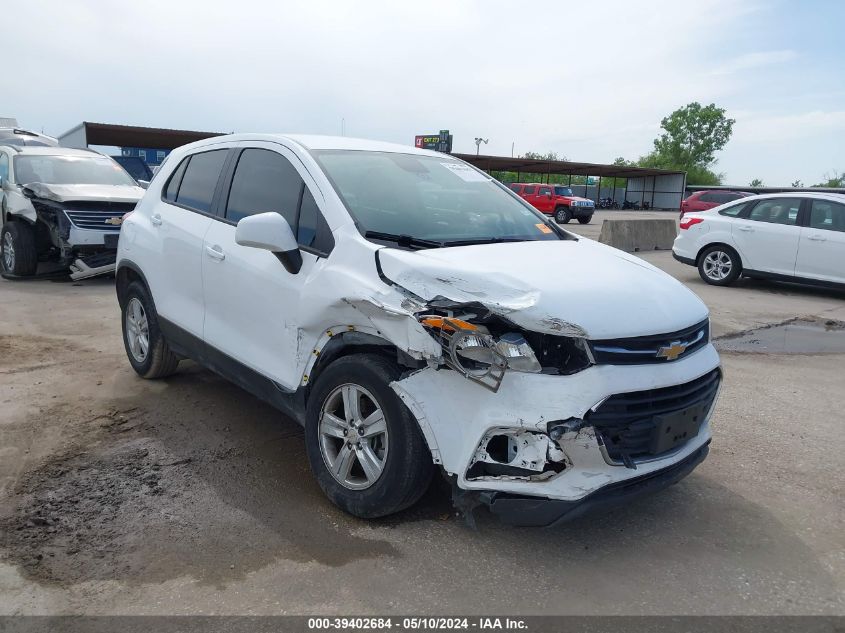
(474, 352)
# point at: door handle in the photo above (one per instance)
(747, 229)
(156, 220)
(817, 238)
(215, 252)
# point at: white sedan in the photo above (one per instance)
(796, 237)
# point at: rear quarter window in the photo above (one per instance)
(734, 210)
(199, 181)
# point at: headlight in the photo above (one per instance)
(473, 351)
(518, 353)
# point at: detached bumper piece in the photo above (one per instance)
(540, 512)
(93, 265)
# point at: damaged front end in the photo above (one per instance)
(482, 346)
(81, 235)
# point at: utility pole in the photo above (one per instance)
(478, 142)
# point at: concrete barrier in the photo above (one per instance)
(639, 234)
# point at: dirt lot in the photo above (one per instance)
(119, 495)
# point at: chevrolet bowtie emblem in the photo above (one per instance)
(114, 221)
(672, 351)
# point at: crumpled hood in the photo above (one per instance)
(577, 288)
(66, 193)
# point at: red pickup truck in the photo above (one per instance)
(555, 200)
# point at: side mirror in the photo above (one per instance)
(549, 195)
(143, 184)
(271, 232)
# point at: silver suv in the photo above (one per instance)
(62, 206)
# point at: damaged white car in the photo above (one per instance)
(63, 207)
(413, 315)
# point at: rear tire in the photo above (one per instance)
(148, 352)
(17, 244)
(562, 215)
(366, 471)
(719, 265)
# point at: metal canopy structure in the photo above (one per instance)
(657, 188)
(87, 133)
(561, 167)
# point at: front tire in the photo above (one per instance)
(19, 255)
(148, 352)
(563, 215)
(719, 265)
(364, 446)
(585, 220)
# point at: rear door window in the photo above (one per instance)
(528, 191)
(196, 190)
(777, 211)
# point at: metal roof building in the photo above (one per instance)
(660, 188)
(87, 133)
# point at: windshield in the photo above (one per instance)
(563, 191)
(70, 170)
(428, 198)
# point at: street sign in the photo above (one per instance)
(438, 142)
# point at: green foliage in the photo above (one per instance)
(835, 180)
(692, 135)
(546, 156)
(756, 183)
(796, 183)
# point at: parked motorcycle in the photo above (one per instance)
(631, 205)
(608, 203)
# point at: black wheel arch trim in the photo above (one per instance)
(128, 263)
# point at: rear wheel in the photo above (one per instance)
(364, 446)
(562, 215)
(146, 348)
(19, 255)
(719, 265)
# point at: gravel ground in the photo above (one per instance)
(124, 496)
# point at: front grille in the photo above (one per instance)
(656, 348)
(627, 422)
(93, 215)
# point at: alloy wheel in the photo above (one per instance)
(8, 252)
(717, 265)
(353, 436)
(137, 330)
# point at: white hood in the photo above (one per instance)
(105, 193)
(578, 288)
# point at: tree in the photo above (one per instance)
(546, 156)
(756, 183)
(797, 184)
(834, 180)
(692, 136)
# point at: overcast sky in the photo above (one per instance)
(588, 80)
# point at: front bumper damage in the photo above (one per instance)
(529, 452)
(93, 265)
(538, 512)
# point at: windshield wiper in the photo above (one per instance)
(484, 240)
(407, 241)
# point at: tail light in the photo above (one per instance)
(688, 222)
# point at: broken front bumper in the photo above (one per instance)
(458, 417)
(537, 512)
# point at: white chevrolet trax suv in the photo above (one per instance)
(403, 307)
